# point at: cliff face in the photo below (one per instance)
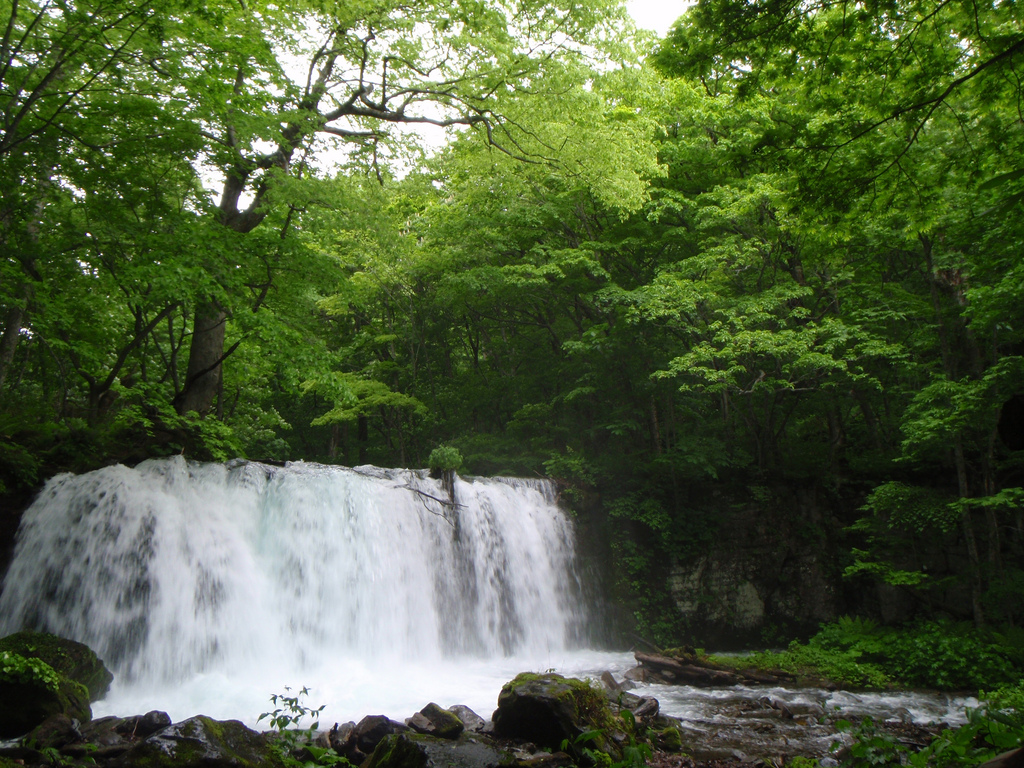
(729, 600)
(773, 570)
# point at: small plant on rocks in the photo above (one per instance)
(297, 745)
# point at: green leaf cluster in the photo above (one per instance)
(15, 668)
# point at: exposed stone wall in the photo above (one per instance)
(771, 572)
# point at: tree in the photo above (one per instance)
(893, 123)
(367, 68)
(58, 66)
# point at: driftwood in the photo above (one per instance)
(699, 672)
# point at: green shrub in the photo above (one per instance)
(445, 458)
(843, 667)
(946, 655)
(858, 653)
(1007, 701)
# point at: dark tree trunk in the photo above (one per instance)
(9, 342)
(202, 381)
(363, 426)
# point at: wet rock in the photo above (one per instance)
(624, 700)
(369, 732)
(609, 681)
(549, 709)
(409, 750)
(1011, 759)
(15, 753)
(547, 760)
(646, 708)
(141, 726)
(108, 731)
(669, 740)
(809, 710)
(470, 719)
(440, 722)
(55, 732)
(43, 675)
(364, 737)
(419, 723)
(538, 708)
(29, 694)
(338, 737)
(201, 742)
(110, 737)
(637, 675)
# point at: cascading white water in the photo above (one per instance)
(207, 588)
(183, 574)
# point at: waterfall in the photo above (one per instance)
(172, 569)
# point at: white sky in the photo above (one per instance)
(656, 14)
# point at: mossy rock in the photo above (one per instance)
(72, 660)
(669, 740)
(446, 723)
(413, 750)
(549, 709)
(202, 742)
(32, 691)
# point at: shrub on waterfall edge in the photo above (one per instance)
(444, 458)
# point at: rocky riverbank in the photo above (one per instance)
(540, 721)
(47, 685)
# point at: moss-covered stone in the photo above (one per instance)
(549, 709)
(669, 740)
(410, 750)
(31, 691)
(54, 732)
(43, 675)
(446, 723)
(202, 742)
(72, 660)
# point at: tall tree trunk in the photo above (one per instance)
(967, 526)
(363, 436)
(334, 441)
(9, 342)
(203, 379)
(959, 460)
(655, 427)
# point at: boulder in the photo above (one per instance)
(141, 726)
(1012, 759)
(356, 742)
(201, 742)
(103, 738)
(32, 691)
(55, 732)
(434, 720)
(550, 709)
(72, 660)
(413, 750)
(470, 719)
(338, 737)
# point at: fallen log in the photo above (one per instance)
(695, 671)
